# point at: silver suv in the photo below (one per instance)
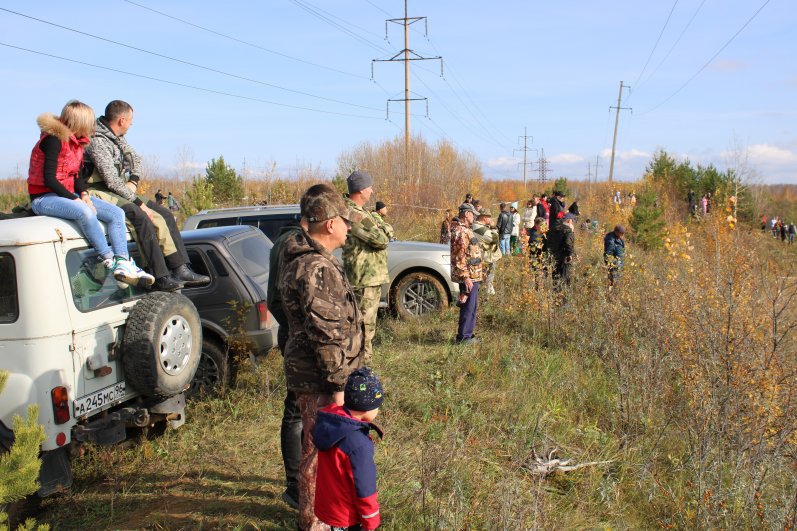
(420, 272)
(94, 358)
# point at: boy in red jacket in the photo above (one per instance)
(345, 496)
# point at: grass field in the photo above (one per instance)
(679, 385)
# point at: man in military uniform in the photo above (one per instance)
(291, 428)
(325, 337)
(466, 268)
(365, 253)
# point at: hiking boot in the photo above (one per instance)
(126, 272)
(185, 275)
(167, 283)
(468, 341)
(291, 498)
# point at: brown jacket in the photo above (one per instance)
(325, 326)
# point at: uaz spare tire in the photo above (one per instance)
(162, 345)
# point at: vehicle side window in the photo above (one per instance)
(218, 264)
(220, 222)
(197, 263)
(93, 286)
(272, 225)
(9, 304)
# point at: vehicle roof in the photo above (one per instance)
(218, 233)
(37, 229)
(222, 212)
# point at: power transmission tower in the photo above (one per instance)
(542, 168)
(406, 55)
(616, 122)
(525, 149)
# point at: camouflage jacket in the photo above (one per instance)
(488, 242)
(365, 251)
(325, 341)
(387, 227)
(466, 255)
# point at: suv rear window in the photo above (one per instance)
(93, 286)
(270, 224)
(220, 222)
(252, 254)
(9, 306)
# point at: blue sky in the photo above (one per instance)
(551, 67)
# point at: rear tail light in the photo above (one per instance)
(262, 313)
(60, 404)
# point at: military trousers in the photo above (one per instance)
(467, 312)
(368, 302)
(169, 239)
(309, 405)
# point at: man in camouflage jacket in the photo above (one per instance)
(365, 253)
(325, 337)
(466, 268)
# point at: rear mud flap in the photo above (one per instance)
(55, 473)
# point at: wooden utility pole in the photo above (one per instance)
(406, 55)
(616, 122)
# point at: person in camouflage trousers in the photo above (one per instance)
(466, 269)
(365, 253)
(325, 328)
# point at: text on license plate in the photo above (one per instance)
(98, 399)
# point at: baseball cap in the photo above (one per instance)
(363, 391)
(467, 207)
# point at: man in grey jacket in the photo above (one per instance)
(115, 174)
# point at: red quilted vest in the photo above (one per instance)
(69, 161)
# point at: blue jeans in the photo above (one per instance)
(78, 211)
(503, 244)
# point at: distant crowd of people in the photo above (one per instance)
(171, 201)
(544, 232)
(779, 228)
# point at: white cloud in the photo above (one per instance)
(566, 158)
(767, 154)
(502, 163)
(625, 155)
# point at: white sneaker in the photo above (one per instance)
(126, 272)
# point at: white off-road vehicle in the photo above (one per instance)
(98, 360)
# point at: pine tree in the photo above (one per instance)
(228, 186)
(647, 220)
(19, 465)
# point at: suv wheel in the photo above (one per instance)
(215, 373)
(161, 347)
(417, 294)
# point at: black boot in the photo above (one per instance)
(167, 283)
(184, 274)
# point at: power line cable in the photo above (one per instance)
(313, 11)
(683, 32)
(189, 63)
(379, 8)
(456, 79)
(749, 20)
(185, 85)
(332, 15)
(455, 115)
(650, 56)
(247, 43)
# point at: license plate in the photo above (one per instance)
(98, 399)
